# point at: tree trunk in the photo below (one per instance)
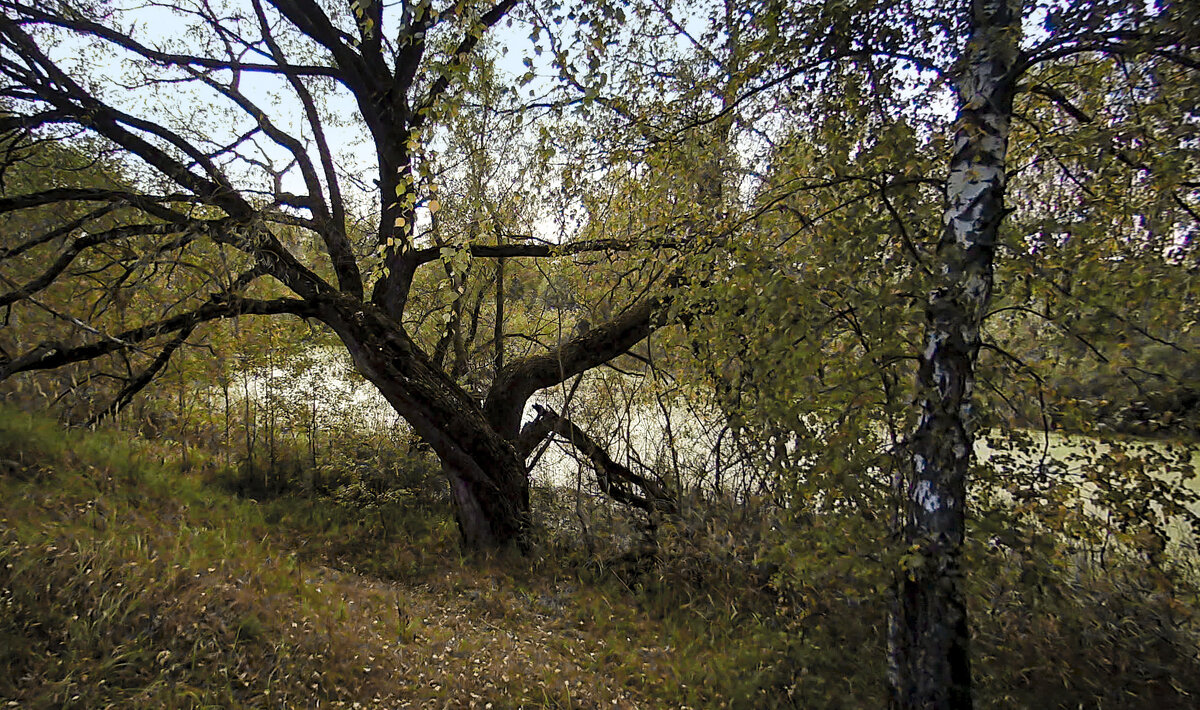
(487, 476)
(928, 633)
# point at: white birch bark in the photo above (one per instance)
(928, 634)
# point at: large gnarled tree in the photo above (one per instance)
(399, 67)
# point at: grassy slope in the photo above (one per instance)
(125, 582)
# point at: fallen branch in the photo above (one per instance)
(614, 479)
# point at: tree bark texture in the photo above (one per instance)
(486, 474)
(928, 633)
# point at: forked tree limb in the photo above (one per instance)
(522, 377)
(613, 478)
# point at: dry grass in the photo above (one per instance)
(126, 582)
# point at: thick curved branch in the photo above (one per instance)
(411, 39)
(310, 19)
(149, 203)
(521, 378)
(613, 478)
(94, 114)
(246, 236)
(390, 100)
(16, 123)
(370, 35)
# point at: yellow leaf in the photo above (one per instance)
(434, 206)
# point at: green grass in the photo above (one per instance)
(127, 583)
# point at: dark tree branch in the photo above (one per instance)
(55, 233)
(396, 161)
(149, 203)
(412, 46)
(1169, 46)
(66, 95)
(137, 384)
(48, 356)
(77, 246)
(522, 377)
(15, 123)
(1081, 116)
(333, 232)
(613, 478)
(85, 26)
(309, 18)
(495, 251)
(337, 244)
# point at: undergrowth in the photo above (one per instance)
(128, 582)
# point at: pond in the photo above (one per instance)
(1145, 479)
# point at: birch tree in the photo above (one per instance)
(929, 630)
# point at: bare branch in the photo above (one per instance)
(66, 95)
(333, 231)
(83, 25)
(80, 244)
(494, 251)
(137, 384)
(48, 356)
(55, 233)
(149, 203)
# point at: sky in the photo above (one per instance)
(192, 106)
